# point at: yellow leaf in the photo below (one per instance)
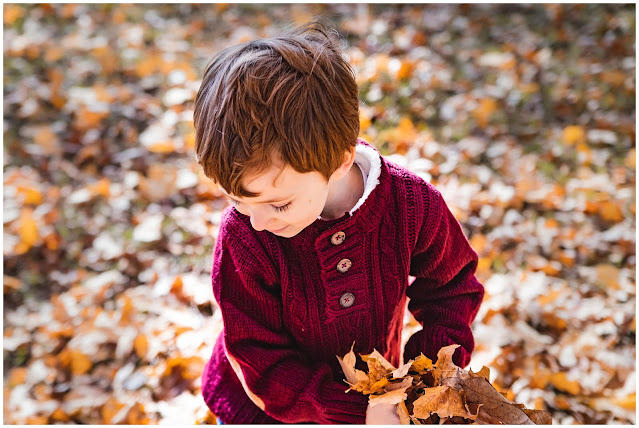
(574, 134)
(141, 345)
(31, 195)
(378, 386)
(421, 364)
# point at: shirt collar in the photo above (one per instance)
(367, 212)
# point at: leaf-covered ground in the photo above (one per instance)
(522, 115)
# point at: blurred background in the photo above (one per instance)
(523, 116)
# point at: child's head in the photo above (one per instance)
(291, 100)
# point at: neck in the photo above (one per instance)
(344, 194)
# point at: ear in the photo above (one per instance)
(347, 163)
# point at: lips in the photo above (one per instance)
(278, 230)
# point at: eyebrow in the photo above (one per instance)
(271, 201)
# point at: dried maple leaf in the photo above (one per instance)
(353, 375)
(442, 393)
(479, 390)
(447, 402)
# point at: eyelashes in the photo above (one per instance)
(280, 209)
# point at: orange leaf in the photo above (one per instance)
(610, 211)
(28, 229)
(109, 409)
(17, 376)
(141, 345)
(364, 121)
(483, 112)
(12, 13)
(561, 383)
(631, 159)
(100, 188)
(127, 311)
(608, 276)
(162, 147)
(31, 195)
(59, 415)
(137, 415)
(37, 420)
(574, 134)
(87, 119)
(80, 363)
(189, 140)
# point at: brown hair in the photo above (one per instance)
(291, 96)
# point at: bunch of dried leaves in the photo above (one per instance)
(427, 393)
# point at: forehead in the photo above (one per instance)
(280, 181)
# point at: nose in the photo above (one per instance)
(259, 219)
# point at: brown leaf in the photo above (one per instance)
(444, 367)
(539, 417)
(402, 413)
(484, 372)
(445, 401)
(478, 390)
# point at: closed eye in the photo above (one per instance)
(282, 208)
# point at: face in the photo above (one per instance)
(288, 201)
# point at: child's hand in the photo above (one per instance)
(382, 414)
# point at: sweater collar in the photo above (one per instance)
(367, 212)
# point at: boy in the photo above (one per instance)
(315, 252)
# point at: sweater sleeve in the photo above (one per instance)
(445, 295)
(275, 374)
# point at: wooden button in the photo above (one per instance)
(338, 238)
(344, 265)
(347, 300)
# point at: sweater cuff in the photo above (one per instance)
(344, 407)
(438, 338)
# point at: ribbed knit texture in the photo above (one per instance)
(280, 302)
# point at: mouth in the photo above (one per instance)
(278, 230)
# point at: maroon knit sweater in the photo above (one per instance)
(288, 311)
